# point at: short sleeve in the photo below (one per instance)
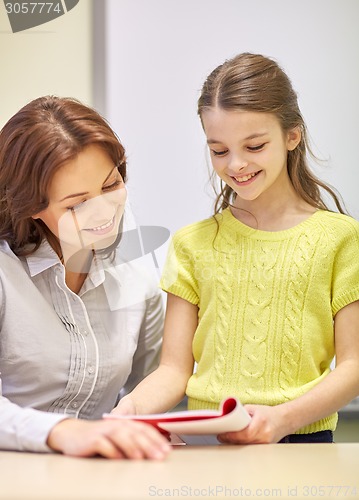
(178, 276)
(345, 285)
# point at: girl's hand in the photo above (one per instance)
(108, 438)
(125, 407)
(267, 425)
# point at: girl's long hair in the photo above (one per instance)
(34, 144)
(252, 82)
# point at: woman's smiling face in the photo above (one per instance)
(86, 201)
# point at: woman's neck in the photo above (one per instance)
(77, 263)
(74, 281)
(77, 268)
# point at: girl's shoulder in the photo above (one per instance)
(201, 230)
(344, 224)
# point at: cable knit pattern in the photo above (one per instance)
(224, 294)
(257, 325)
(266, 305)
(299, 266)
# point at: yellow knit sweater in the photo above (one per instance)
(266, 305)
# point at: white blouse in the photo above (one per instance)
(67, 354)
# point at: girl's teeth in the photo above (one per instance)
(245, 178)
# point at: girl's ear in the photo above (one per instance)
(293, 138)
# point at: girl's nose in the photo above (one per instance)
(237, 165)
(244, 165)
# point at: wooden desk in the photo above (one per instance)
(328, 471)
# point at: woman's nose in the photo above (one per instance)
(98, 208)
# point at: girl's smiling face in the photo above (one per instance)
(249, 151)
(86, 201)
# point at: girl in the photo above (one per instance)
(260, 294)
(67, 349)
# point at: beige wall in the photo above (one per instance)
(347, 430)
(54, 58)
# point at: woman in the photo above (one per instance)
(71, 343)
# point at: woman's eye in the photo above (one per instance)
(219, 153)
(110, 187)
(114, 185)
(256, 148)
(78, 205)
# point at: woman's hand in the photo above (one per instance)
(108, 438)
(267, 425)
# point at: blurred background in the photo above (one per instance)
(142, 63)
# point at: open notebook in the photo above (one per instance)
(231, 416)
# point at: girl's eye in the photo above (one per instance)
(219, 153)
(114, 185)
(256, 148)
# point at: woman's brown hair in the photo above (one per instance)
(34, 144)
(252, 82)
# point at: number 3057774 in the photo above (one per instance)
(33, 7)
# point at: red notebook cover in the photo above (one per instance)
(231, 416)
